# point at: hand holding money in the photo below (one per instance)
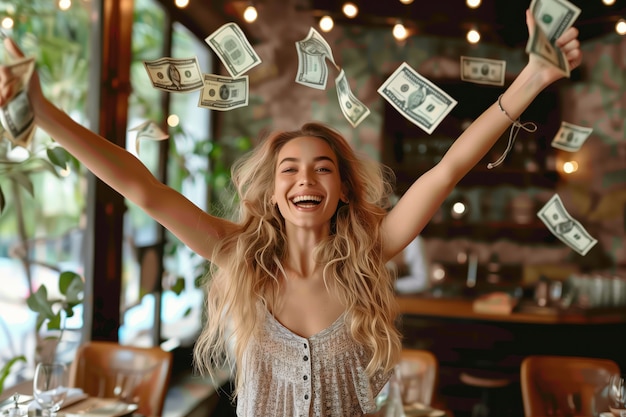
(17, 82)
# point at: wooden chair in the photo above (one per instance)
(134, 374)
(419, 370)
(564, 385)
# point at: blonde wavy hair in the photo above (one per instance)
(352, 255)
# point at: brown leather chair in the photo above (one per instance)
(134, 374)
(419, 371)
(563, 385)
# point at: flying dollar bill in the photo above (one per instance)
(312, 53)
(483, 70)
(147, 130)
(554, 16)
(417, 98)
(570, 137)
(224, 93)
(22, 70)
(564, 227)
(540, 46)
(18, 120)
(233, 49)
(351, 107)
(177, 75)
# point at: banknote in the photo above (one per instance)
(224, 93)
(417, 98)
(351, 107)
(564, 227)
(312, 53)
(177, 75)
(570, 137)
(18, 120)
(147, 130)
(233, 49)
(554, 16)
(539, 45)
(483, 70)
(22, 70)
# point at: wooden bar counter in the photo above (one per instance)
(465, 341)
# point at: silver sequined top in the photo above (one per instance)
(321, 376)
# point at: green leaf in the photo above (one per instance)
(6, 369)
(187, 312)
(55, 322)
(39, 303)
(179, 286)
(58, 156)
(23, 180)
(71, 285)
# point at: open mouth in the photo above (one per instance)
(306, 201)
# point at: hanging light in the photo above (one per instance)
(472, 4)
(181, 4)
(65, 4)
(7, 23)
(350, 10)
(406, 1)
(250, 14)
(620, 27)
(326, 23)
(608, 2)
(399, 31)
(473, 36)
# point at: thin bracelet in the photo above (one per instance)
(515, 127)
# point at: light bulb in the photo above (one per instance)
(406, 1)
(181, 4)
(620, 27)
(399, 31)
(472, 4)
(250, 14)
(350, 10)
(473, 36)
(326, 23)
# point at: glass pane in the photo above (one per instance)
(41, 233)
(181, 302)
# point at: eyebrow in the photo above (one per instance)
(316, 159)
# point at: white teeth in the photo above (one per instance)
(306, 198)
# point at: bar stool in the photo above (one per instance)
(487, 381)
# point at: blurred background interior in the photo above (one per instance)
(143, 287)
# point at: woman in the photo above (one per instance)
(300, 293)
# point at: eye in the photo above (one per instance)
(288, 170)
(324, 169)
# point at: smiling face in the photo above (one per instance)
(307, 185)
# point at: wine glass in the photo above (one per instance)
(617, 395)
(50, 386)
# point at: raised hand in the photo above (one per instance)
(10, 82)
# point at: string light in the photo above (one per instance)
(473, 36)
(570, 167)
(250, 14)
(406, 1)
(608, 2)
(350, 10)
(620, 27)
(181, 4)
(473, 4)
(326, 23)
(7, 23)
(399, 31)
(65, 4)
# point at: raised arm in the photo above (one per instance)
(120, 169)
(427, 193)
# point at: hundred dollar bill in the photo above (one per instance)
(177, 75)
(22, 70)
(312, 53)
(564, 227)
(554, 16)
(233, 49)
(570, 137)
(483, 70)
(148, 130)
(417, 98)
(224, 93)
(539, 45)
(18, 120)
(351, 107)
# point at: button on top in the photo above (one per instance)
(306, 397)
(305, 377)
(305, 346)
(306, 358)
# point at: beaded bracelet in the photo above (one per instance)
(515, 127)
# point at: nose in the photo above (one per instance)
(306, 178)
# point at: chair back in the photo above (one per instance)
(138, 375)
(565, 385)
(419, 372)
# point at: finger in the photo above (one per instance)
(530, 22)
(12, 48)
(569, 35)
